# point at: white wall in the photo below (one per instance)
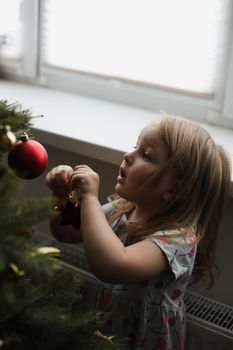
(223, 288)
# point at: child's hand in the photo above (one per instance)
(85, 181)
(58, 180)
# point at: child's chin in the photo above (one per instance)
(120, 192)
(117, 189)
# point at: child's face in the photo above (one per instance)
(135, 181)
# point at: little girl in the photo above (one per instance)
(142, 245)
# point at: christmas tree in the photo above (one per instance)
(42, 304)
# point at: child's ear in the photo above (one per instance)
(169, 194)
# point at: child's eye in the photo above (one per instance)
(146, 155)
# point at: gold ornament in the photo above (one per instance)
(51, 251)
(7, 138)
(100, 335)
(16, 270)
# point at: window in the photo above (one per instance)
(164, 43)
(171, 55)
(10, 29)
(19, 23)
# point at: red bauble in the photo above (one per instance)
(28, 158)
(71, 215)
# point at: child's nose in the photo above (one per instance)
(128, 157)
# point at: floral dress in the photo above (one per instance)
(151, 314)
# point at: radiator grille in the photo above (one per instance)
(209, 310)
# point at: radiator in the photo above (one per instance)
(209, 322)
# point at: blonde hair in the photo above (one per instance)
(203, 182)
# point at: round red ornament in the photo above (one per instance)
(28, 158)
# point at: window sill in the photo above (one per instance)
(87, 126)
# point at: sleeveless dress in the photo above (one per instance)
(151, 314)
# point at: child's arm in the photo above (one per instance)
(58, 181)
(109, 259)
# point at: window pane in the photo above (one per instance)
(169, 43)
(10, 28)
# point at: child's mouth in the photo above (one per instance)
(122, 173)
(121, 178)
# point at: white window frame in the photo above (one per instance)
(27, 67)
(218, 111)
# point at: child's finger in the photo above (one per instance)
(58, 179)
(76, 180)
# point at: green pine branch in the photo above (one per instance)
(55, 317)
(22, 216)
(42, 304)
(13, 115)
